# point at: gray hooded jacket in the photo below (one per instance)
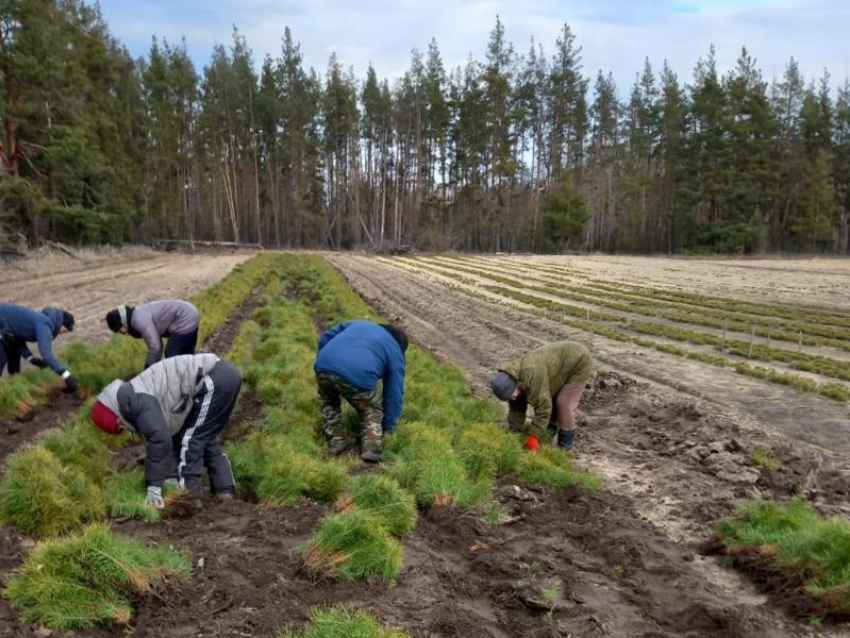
(157, 319)
(155, 405)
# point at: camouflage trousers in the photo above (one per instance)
(367, 403)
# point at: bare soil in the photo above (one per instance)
(572, 564)
(96, 282)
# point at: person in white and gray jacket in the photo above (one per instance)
(176, 320)
(180, 406)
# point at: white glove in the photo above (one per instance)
(154, 498)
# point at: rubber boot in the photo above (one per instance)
(340, 445)
(371, 450)
(566, 439)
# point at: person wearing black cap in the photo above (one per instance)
(351, 359)
(19, 325)
(552, 380)
(174, 319)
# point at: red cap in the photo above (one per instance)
(105, 419)
(531, 443)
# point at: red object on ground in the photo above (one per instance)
(531, 443)
(105, 419)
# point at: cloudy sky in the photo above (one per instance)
(615, 35)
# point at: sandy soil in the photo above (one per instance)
(96, 282)
(822, 281)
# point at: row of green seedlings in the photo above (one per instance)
(826, 366)
(94, 366)
(562, 312)
(810, 314)
(65, 480)
(448, 450)
(615, 298)
(792, 547)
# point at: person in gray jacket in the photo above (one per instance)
(176, 320)
(180, 406)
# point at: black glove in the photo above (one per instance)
(38, 362)
(71, 384)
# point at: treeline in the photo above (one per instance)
(520, 151)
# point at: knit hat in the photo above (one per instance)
(105, 419)
(113, 320)
(68, 320)
(503, 385)
(398, 335)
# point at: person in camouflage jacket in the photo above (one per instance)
(551, 379)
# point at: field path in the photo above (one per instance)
(90, 286)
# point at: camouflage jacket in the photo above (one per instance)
(541, 374)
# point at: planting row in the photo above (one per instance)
(618, 328)
(628, 299)
(447, 450)
(817, 315)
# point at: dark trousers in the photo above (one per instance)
(196, 444)
(181, 344)
(10, 354)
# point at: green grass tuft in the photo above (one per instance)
(794, 539)
(280, 474)
(427, 465)
(489, 451)
(394, 507)
(338, 622)
(764, 458)
(553, 468)
(126, 493)
(41, 496)
(88, 579)
(351, 545)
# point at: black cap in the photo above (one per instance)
(113, 320)
(398, 335)
(68, 320)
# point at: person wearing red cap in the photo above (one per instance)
(179, 406)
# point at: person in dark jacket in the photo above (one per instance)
(180, 406)
(551, 379)
(176, 320)
(19, 325)
(352, 358)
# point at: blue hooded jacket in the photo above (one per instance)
(362, 353)
(30, 325)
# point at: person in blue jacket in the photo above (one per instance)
(352, 358)
(19, 325)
